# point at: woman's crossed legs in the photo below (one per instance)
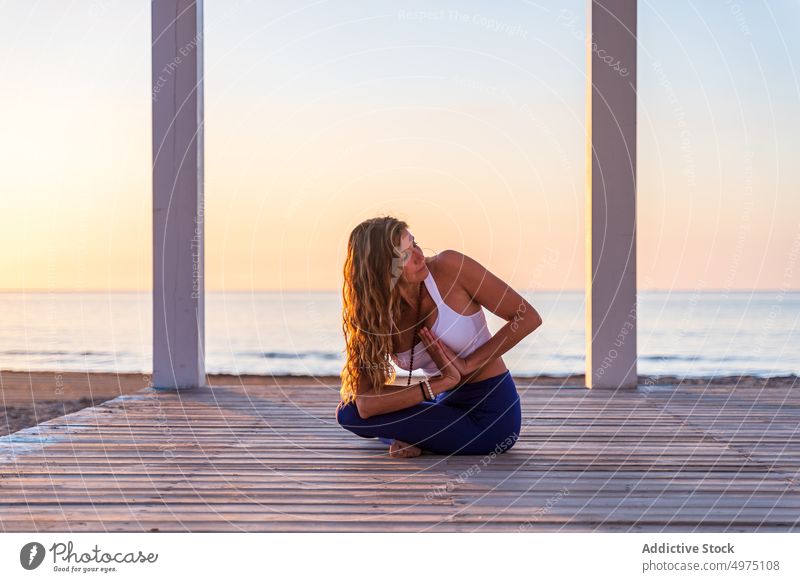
(472, 419)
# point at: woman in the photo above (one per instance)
(394, 296)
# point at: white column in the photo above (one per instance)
(611, 195)
(178, 253)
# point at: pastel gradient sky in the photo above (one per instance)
(466, 119)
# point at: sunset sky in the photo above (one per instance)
(466, 119)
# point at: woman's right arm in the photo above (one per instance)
(393, 397)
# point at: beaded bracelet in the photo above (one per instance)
(421, 387)
(430, 390)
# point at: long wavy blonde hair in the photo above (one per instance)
(371, 303)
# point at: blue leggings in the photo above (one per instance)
(471, 419)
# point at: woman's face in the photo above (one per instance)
(413, 259)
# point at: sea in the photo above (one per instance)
(683, 333)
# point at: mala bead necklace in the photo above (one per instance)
(414, 339)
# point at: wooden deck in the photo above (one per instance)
(272, 458)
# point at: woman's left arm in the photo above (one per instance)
(495, 295)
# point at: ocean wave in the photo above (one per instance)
(690, 358)
(81, 353)
(311, 354)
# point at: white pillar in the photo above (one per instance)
(178, 249)
(611, 195)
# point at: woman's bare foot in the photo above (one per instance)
(404, 450)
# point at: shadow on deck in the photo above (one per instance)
(272, 458)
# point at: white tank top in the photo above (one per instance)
(461, 333)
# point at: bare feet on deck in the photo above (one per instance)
(405, 450)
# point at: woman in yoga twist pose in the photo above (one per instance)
(393, 296)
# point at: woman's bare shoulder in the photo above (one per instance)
(446, 265)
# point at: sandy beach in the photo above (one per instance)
(29, 398)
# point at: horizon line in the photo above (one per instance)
(306, 290)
